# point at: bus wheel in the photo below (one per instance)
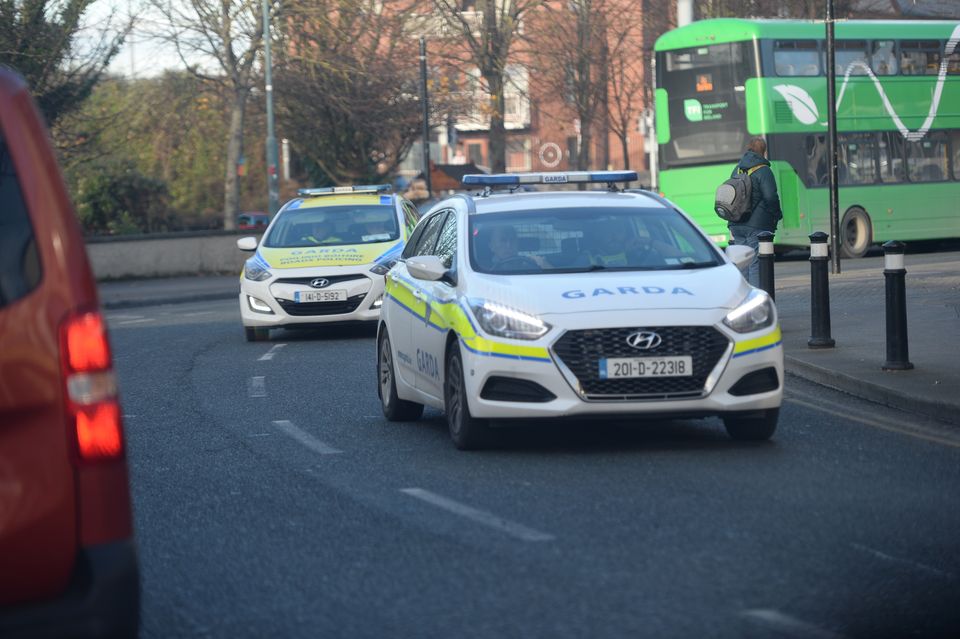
(856, 234)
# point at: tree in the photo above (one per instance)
(38, 38)
(228, 33)
(485, 39)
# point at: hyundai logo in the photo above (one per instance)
(644, 340)
(319, 282)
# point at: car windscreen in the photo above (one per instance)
(334, 226)
(587, 239)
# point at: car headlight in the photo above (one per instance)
(255, 272)
(504, 321)
(381, 268)
(756, 311)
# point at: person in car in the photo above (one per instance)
(505, 255)
(322, 234)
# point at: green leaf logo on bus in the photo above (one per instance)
(800, 102)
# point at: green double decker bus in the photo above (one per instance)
(721, 82)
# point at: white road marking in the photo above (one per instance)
(269, 354)
(305, 438)
(905, 562)
(118, 316)
(257, 387)
(787, 626)
(136, 321)
(194, 314)
(480, 516)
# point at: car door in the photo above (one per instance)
(429, 335)
(405, 306)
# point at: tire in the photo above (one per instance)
(856, 233)
(394, 408)
(752, 429)
(254, 334)
(466, 431)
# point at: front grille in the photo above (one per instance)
(322, 308)
(333, 279)
(581, 351)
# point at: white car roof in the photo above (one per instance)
(532, 201)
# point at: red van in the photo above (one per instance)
(68, 564)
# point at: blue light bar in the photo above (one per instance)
(340, 190)
(507, 179)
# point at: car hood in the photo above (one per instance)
(722, 287)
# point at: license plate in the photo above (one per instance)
(335, 295)
(630, 367)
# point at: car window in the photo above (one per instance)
(572, 240)
(334, 226)
(428, 238)
(19, 262)
(446, 248)
(410, 216)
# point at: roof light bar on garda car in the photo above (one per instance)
(339, 190)
(511, 179)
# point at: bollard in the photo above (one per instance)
(819, 293)
(894, 275)
(765, 259)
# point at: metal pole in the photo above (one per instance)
(426, 115)
(819, 293)
(273, 183)
(832, 142)
(894, 274)
(765, 258)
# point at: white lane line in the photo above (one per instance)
(480, 516)
(905, 562)
(787, 626)
(914, 431)
(136, 321)
(196, 313)
(269, 354)
(305, 438)
(257, 386)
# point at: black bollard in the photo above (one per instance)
(894, 275)
(819, 293)
(766, 262)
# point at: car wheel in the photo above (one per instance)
(254, 334)
(394, 408)
(466, 431)
(856, 233)
(752, 428)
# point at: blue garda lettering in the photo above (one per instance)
(627, 289)
(573, 295)
(677, 290)
(653, 289)
(427, 364)
(601, 291)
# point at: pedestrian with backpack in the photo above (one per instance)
(750, 203)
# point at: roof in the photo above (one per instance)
(532, 201)
(446, 177)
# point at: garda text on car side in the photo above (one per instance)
(322, 259)
(609, 302)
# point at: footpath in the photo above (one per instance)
(857, 324)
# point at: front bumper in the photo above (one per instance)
(363, 292)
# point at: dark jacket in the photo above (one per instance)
(764, 200)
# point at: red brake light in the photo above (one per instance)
(87, 346)
(92, 405)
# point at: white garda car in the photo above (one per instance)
(322, 259)
(574, 304)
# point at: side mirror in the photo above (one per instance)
(740, 255)
(426, 267)
(247, 244)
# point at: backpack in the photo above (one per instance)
(733, 197)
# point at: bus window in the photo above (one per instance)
(955, 144)
(927, 159)
(953, 63)
(891, 157)
(796, 57)
(920, 57)
(856, 164)
(817, 167)
(849, 55)
(883, 58)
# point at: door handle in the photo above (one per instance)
(418, 294)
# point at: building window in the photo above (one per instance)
(475, 153)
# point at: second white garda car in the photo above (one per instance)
(322, 259)
(574, 303)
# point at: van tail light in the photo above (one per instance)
(92, 407)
